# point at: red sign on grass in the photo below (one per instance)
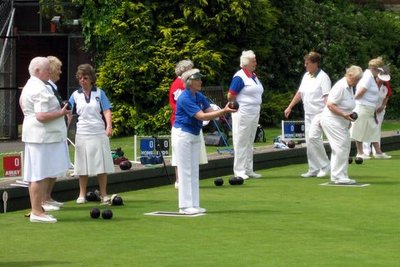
(12, 166)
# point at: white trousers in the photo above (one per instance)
(244, 128)
(338, 134)
(202, 151)
(186, 149)
(316, 154)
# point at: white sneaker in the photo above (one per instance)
(189, 211)
(42, 219)
(308, 174)
(54, 203)
(345, 181)
(363, 156)
(200, 210)
(48, 207)
(324, 172)
(81, 200)
(382, 156)
(105, 201)
(244, 176)
(254, 175)
(176, 185)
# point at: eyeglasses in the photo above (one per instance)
(83, 78)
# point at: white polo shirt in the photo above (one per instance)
(313, 88)
(250, 96)
(370, 97)
(342, 96)
(90, 120)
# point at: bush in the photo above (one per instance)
(137, 44)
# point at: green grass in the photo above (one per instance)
(279, 220)
(127, 143)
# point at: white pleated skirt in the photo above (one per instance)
(365, 129)
(93, 155)
(45, 160)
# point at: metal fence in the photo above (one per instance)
(8, 90)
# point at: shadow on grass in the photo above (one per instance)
(226, 186)
(275, 177)
(32, 263)
(87, 219)
(247, 211)
(382, 182)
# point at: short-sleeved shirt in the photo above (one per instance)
(383, 92)
(186, 108)
(89, 111)
(342, 96)
(37, 97)
(312, 89)
(175, 90)
(370, 97)
(248, 90)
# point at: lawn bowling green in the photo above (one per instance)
(141, 177)
(283, 220)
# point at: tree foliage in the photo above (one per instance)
(137, 44)
(343, 33)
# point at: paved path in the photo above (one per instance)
(11, 146)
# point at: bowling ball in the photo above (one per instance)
(291, 144)
(118, 160)
(239, 180)
(218, 181)
(358, 160)
(233, 181)
(91, 196)
(125, 165)
(233, 105)
(95, 213)
(116, 200)
(354, 115)
(350, 160)
(107, 214)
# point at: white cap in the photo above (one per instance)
(383, 76)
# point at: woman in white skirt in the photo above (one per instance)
(93, 129)
(45, 135)
(366, 128)
(384, 94)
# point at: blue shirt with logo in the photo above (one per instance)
(187, 106)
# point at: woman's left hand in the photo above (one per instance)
(109, 131)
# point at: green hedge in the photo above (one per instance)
(137, 44)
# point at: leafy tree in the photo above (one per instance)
(137, 44)
(344, 33)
